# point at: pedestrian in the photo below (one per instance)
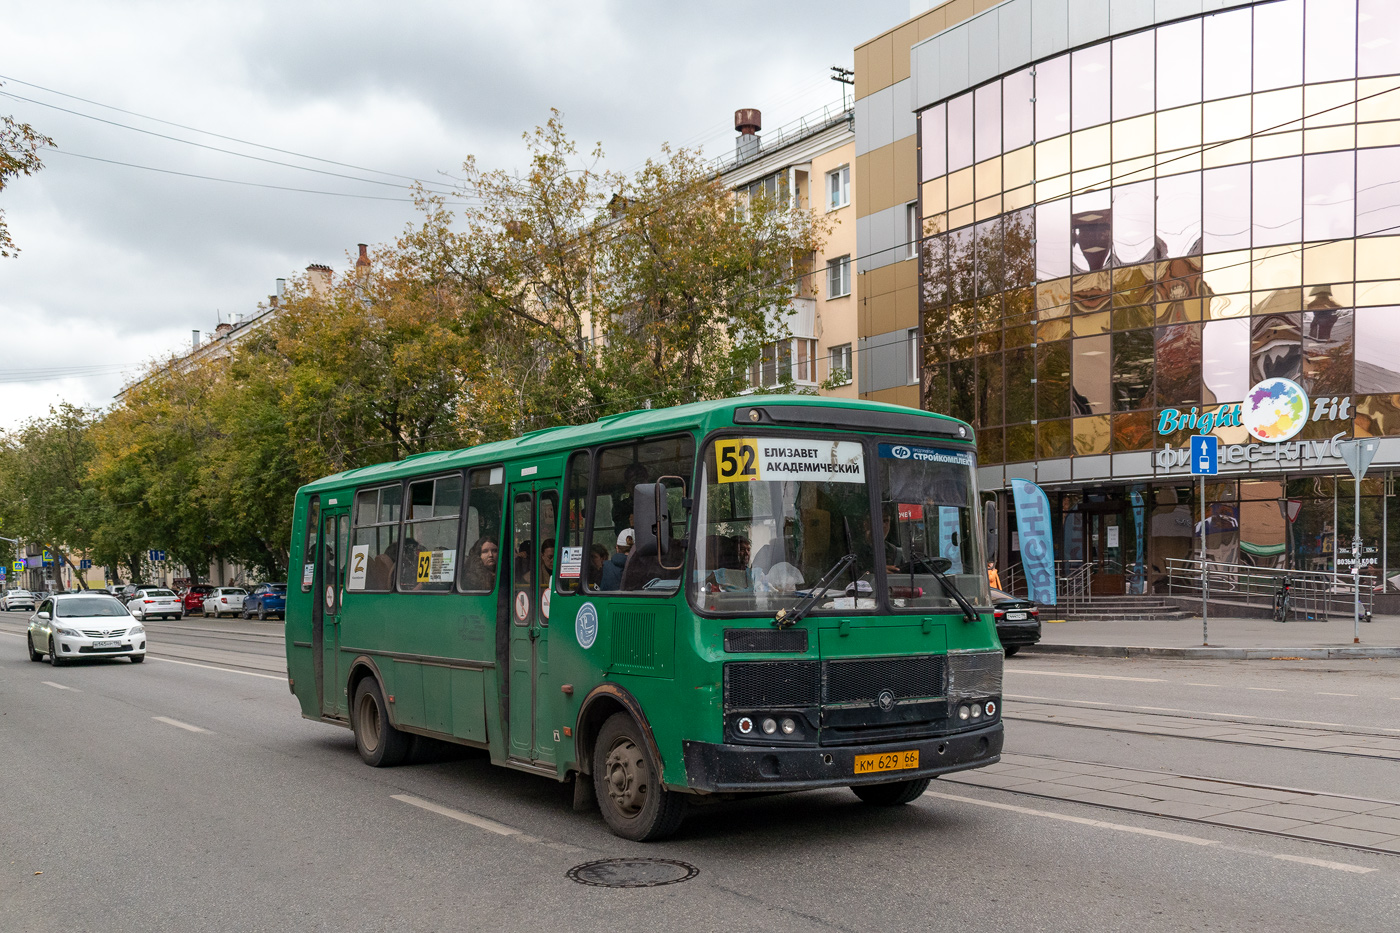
(993, 578)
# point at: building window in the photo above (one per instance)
(839, 365)
(913, 340)
(838, 277)
(911, 229)
(838, 188)
(793, 359)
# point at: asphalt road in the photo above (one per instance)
(188, 794)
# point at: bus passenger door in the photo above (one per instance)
(533, 517)
(335, 549)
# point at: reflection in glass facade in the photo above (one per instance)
(1159, 220)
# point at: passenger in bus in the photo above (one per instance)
(731, 556)
(522, 561)
(633, 476)
(597, 560)
(546, 561)
(481, 565)
(379, 575)
(612, 570)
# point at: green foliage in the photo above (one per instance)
(565, 294)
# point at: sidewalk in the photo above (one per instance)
(1229, 638)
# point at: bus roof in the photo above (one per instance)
(633, 424)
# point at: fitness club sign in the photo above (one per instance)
(1273, 412)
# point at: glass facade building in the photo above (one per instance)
(1158, 220)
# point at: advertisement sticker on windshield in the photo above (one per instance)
(750, 459)
(925, 454)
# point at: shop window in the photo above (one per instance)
(1052, 98)
(1018, 110)
(1089, 86)
(987, 121)
(1228, 36)
(1378, 23)
(1278, 208)
(933, 127)
(1052, 372)
(1179, 64)
(1225, 208)
(1132, 370)
(1133, 68)
(1278, 44)
(1134, 431)
(1133, 227)
(1178, 363)
(1378, 191)
(989, 388)
(1092, 367)
(962, 387)
(960, 132)
(1329, 183)
(1327, 346)
(1020, 443)
(1052, 240)
(1092, 435)
(1053, 439)
(1275, 347)
(1377, 350)
(1329, 37)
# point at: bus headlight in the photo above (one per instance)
(789, 727)
(964, 711)
(769, 727)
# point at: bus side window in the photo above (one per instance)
(308, 554)
(482, 541)
(376, 538)
(621, 469)
(578, 564)
(430, 535)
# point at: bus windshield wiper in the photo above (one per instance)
(940, 566)
(789, 617)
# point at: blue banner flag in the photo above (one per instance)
(1037, 540)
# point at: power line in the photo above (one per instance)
(241, 155)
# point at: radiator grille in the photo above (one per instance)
(861, 681)
(975, 674)
(763, 684)
(765, 639)
(634, 639)
(95, 633)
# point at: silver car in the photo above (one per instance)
(73, 626)
(224, 599)
(155, 602)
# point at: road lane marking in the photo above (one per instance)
(471, 819)
(1081, 820)
(1155, 833)
(1190, 684)
(50, 683)
(1268, 689)
(1014, 696)
(178, 724)
(211, 667)
(1337, 694)
(1141, 680)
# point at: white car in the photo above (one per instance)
(18, 599)
(73, 626)
(224, 599)
(155, 603)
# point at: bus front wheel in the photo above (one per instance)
(893, 794)
(627, 780)
(379, 743)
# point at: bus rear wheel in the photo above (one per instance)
(893, 794)
(627, 780)
(379, 743)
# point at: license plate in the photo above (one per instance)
(105, 644)
(888, 761)
(1015, 617)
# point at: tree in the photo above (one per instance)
(19, 155)
(44, 489)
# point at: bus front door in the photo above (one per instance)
(533, 521)
(335, 549)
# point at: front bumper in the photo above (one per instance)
(1016, 633)
(721, 768)
(70, 648)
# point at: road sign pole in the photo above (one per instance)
(1205, 572)
(1356, 565)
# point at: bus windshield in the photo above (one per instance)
(775, 514)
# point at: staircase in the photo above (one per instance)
(1114, 609)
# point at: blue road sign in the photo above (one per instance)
(17, 566)
(155, 556)
(47, 556)
(85, 564)
(1203, 454)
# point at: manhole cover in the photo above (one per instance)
(632, 872)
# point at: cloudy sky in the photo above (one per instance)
(119, 264)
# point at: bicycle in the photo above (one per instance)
(1281, 600)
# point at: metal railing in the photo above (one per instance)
(1073, 580)
(1314, 594)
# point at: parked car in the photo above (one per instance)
(1018, 621)
(74, 626)
(126, 592)
(18, 599)
(266, 599)
(224, 600)
(193, 598)
(155, 602)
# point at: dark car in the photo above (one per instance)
(1018, 621)
(193, 598)
(266, 599)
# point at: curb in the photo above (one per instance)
(1241, 654)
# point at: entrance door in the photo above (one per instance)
(330, 593)
(533, 520)
(1105, 535)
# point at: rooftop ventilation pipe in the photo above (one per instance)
(747, 123)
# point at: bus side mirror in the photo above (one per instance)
(651, 511)
(940, 564)
(989, 522)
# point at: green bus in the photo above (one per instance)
(753, 595)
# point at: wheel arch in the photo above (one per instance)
(603, 701)
(362, 667)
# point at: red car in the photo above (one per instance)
(193, 598)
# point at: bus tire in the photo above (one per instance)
(893, 794)
(378, 742)
(627, 781)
